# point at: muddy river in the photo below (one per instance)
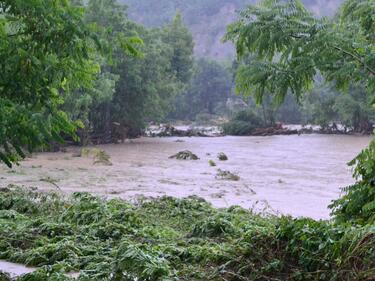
(296, 175)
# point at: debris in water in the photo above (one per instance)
(212, 163)
(99, 155)
(51, 181)
(227, 175)
(102, 158)
(185, 155)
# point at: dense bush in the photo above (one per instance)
(243, 123)
(174, 239)
(357, 205)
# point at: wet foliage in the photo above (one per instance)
(357, 204)
(173, 239)
(243, 123)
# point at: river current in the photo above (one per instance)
(292, 175)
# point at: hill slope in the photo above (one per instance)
(207, 19)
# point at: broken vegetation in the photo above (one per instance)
(173, 239)
(227, 175)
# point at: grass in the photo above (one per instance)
(174, 239)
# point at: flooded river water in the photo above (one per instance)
(297, 175)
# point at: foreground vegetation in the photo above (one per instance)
(86, 69)
(174, 239)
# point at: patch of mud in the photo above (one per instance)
(297, 175)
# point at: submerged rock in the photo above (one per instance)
(185, 155)
(222, 156)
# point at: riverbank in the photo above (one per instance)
(296, 175)
(168, 130)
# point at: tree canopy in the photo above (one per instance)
(289, 47)
(44, 53)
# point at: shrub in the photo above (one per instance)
(177, 239)
(214, 226)
(243, 123)
(357, 205)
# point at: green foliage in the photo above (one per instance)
(289, 47)
(215, 226)
(207, 93)
(175, 239)
(357, 205)
(40, 62)
(243, 123)
(325, 106)
(148, 86)
(142, 70)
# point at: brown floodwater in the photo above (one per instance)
(296, 175)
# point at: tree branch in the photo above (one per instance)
(369, 69)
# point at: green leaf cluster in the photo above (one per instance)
(173, 239)
(288, 47)
(44, 52)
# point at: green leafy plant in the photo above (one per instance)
(169, 238)
(357, 205)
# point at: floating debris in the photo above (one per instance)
(100, 156)
(227, 175)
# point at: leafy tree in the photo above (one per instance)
(290, 47)
(178, 36)
(148, 86)
(208, 92)
(44, 54)
(243, 123)
(93, 105)
(327, 107)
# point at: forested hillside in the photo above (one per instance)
(207, 19)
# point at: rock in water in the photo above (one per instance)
(222, 157)
(185, 155)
